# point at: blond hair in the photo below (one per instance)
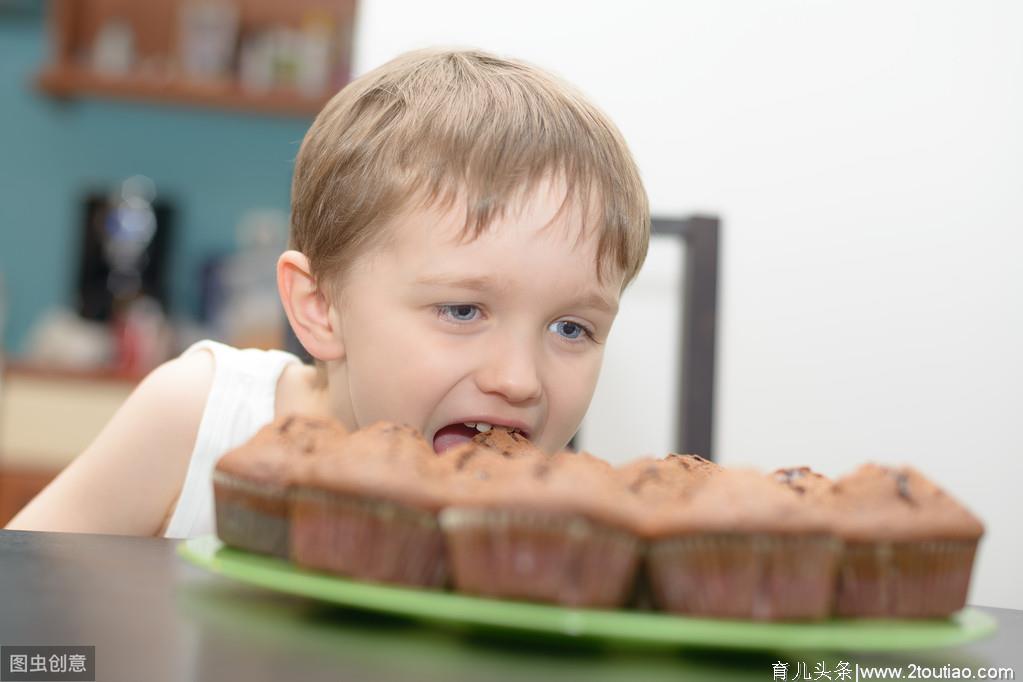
(441, 124)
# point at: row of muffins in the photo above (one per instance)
(498, 517)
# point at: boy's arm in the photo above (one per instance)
(125, 481)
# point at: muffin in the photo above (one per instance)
(548, 528)
(803, 480)
(368, 509)
(741, 546)
(908, 545)
(251, 483)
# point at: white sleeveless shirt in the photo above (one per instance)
(240, 402)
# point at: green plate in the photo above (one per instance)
(623, 627)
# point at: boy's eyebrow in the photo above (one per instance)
(483, 283)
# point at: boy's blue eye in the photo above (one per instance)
(461, 313)
(571, 330)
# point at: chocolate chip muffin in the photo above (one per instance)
(486, 450)
(555, 528)
(908, 545)
(741, 546)
(252, 483)
(368, 509)
(508, 443)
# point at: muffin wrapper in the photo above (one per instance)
(924, 579)
(539, 556)
(756, 576)
(366, 538)
(251, 516)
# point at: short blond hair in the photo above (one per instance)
(440, 124)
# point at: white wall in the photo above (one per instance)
(867, 159)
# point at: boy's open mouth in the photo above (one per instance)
(453, 435)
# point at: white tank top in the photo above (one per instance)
(240, 402)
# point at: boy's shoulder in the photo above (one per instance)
(183, 385)
(191, 375)
(171, 401)
(188, 375)
(168, 405)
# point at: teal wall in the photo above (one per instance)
(214, 165)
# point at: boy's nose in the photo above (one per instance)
(510, 371)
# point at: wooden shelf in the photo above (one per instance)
(20, 368)
(75, 25)
(70, 82)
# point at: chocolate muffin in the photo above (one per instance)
(368, 509)
(251, 484)
(908, 545)
(555, 528)
(741, 546)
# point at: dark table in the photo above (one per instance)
(152, 616)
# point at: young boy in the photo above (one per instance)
(462, 229)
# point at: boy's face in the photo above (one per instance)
(437, 333)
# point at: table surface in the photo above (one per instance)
(153, 616)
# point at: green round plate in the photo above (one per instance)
(624, 627)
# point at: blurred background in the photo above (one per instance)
(865, 161)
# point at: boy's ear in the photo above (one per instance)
(314, 320)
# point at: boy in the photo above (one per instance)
(462, 229)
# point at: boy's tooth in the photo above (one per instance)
(471, 425)
(483, 427)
